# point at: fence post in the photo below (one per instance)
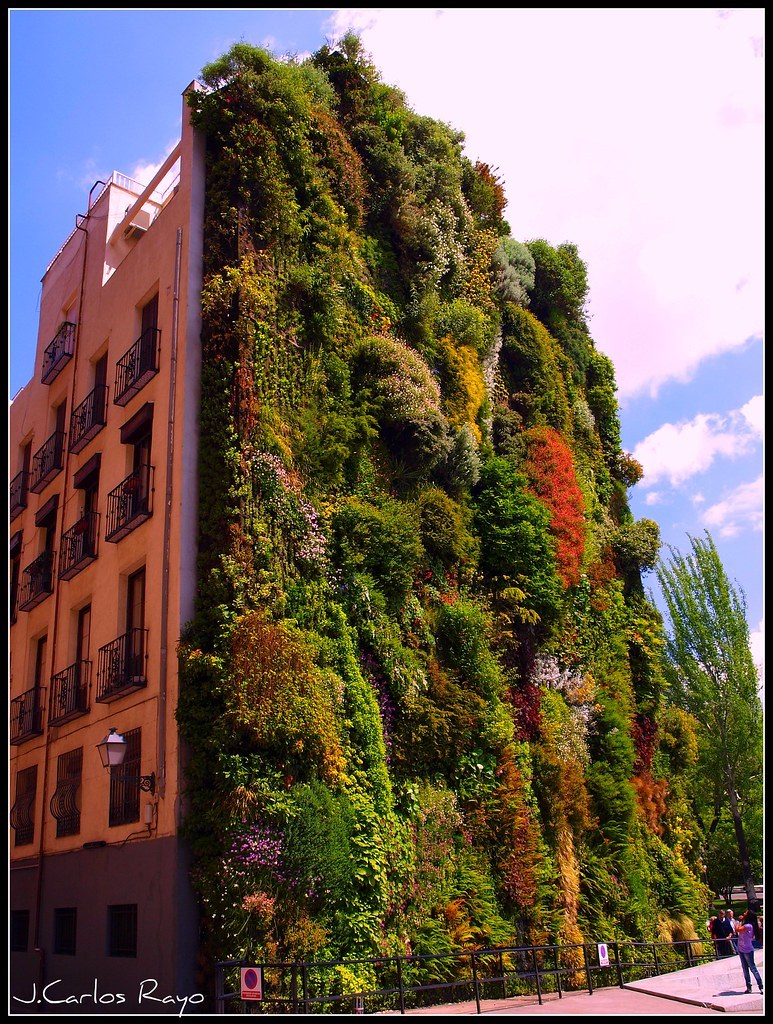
(475, 981)
(400, 988)
(558, 972)
(620, 981)
(655, 959)
(502, 974)
(219, 989)
(294, 986)
(305, 987)
(587, 968)
(536, 974)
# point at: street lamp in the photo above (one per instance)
(112, 751)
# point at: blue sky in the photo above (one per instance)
(635, 133)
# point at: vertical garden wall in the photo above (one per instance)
(420, 695)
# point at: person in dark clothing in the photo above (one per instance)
(721, 932)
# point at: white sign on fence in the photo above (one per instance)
(603, 954)
(252, 983)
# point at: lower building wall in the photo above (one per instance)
(103, 886)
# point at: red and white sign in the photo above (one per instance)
(252, 983)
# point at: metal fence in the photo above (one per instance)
(399, 983)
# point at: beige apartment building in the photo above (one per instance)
(103, 519)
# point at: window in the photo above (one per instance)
(20, 483)
(65, 928)
(135, 626)
(134, 369)
(22, 820)
(14, 575)
(64, 803)
(122, 929)
(90, 416)
(27, 710)
(125, 784)
(20, 930)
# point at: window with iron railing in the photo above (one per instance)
(27, 715)
(121, 665)
(125, 782)
(88, 418)
(19, 931)
(18, 496)
(130, 503)
(69, 693)
(79, 546)
(137, 366)
(122, 930)
(22, 812)
(47, 462)
(65, 930)
(64, 804)
(58, 353)
(37, 581)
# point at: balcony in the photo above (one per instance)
(37, 581)
(129, 504)
(135, 369)
(59, 353)
(121, 667)
(18, 500)
(47, 462)
(27, 715)
(70, 693)
(88, 419)
(79, 546)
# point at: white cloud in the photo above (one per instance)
(740, 509)
(754, 414)
(635, 133)
(677, 451)
(145, 172)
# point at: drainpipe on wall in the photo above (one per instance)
(164, 654)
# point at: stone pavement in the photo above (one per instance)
(716, 987)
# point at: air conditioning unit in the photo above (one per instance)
(138, 226)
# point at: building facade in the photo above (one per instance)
(103, 453)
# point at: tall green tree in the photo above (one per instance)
(711, 673)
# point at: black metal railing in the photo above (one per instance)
(129, 504)
(121, 667)
(522, 974)
(37, 581)
(18, 496)
(79, 546)
(135, 369)
(88, 418)
(69, 693)
(58, 353)
(47, 462)
(27, 715)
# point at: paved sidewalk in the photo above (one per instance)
(716, 987)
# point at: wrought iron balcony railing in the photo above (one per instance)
(18, 498)
(58, 354)
(37, 581)
(69, 693)
(47, 462)
(121, 667)
(129, 504)
(27, 715)
(79, 546)
(88, 419)
(135, 369)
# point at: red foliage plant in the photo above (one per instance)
(550, 471)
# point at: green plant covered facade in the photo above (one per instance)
(421, 695)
